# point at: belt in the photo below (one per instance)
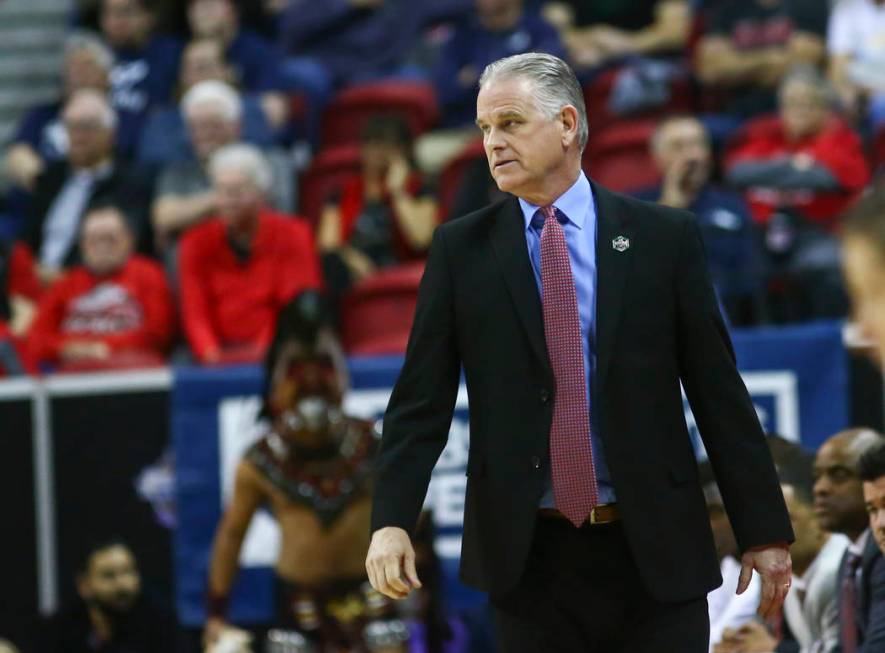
(601, 514)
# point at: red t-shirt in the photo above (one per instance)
(21, 279)
(837, 148)
(130, 310)
(228, 302)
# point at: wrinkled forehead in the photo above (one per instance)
(505, 95)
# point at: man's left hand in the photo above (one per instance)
(774, 566)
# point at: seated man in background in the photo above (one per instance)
(806, 159)
(496, 29)
(810, 615)
(681, 149)
(856, 48)
(112, 615)
(146, 62)
(595, 33)
(839, 507)
(256, 64)
(114, 309)
(747, 48)
(312, 468)
(40, 138)
(184, 195)
(239, 268)
(165, 139)
(90, 174)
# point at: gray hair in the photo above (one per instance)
(91, 43)
(554, 83)
(863, 441)
(810, 76)
(221, 95)
(246, 158)
(90, 95)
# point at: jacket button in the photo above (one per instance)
(545, 395)
(536, 462)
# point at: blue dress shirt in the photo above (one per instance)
(577, 208)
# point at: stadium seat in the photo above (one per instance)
(450, 177)
(620, 156)
(377, 313)
(414, 102)
(328, 170)
(598, 91)
(878, 150)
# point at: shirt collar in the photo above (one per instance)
(576, 203)
(857, 547)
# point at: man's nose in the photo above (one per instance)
(821, 487)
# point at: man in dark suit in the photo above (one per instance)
(839, 506)
(90, 175)
(575, 313)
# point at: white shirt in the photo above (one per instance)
(64, 214)
(857, 28)
(727, 609)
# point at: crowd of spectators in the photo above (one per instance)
(765, 120)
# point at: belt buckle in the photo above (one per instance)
(593, 515)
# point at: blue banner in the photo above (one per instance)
(797, 377)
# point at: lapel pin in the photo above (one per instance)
(620, 243)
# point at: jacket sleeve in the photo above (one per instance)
(722, 406)
(195, 313)
(418, 417)
(874, 640)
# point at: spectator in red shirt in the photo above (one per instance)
(114, 310)
(19, 292)
(238, 269)
(806, 160)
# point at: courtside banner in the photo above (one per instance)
(797, 377)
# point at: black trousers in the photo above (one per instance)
(581, 593)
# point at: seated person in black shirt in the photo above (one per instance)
(599, 31)
(111, 616)
(749, 45)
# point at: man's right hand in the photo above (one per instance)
(391, 563)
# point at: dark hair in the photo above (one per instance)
(866, 219)
(387, 129)
(96, 546)
(872, 464)
(794, 466)
(301, 320)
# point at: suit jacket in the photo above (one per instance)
(871, 598)
(126, 187)
(657, 323)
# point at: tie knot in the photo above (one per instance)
(546, 213)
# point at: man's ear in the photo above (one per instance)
(568, 117)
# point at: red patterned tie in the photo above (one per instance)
(571, 458)
(848, 618)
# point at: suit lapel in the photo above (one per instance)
(511, 252)
(612, 268)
